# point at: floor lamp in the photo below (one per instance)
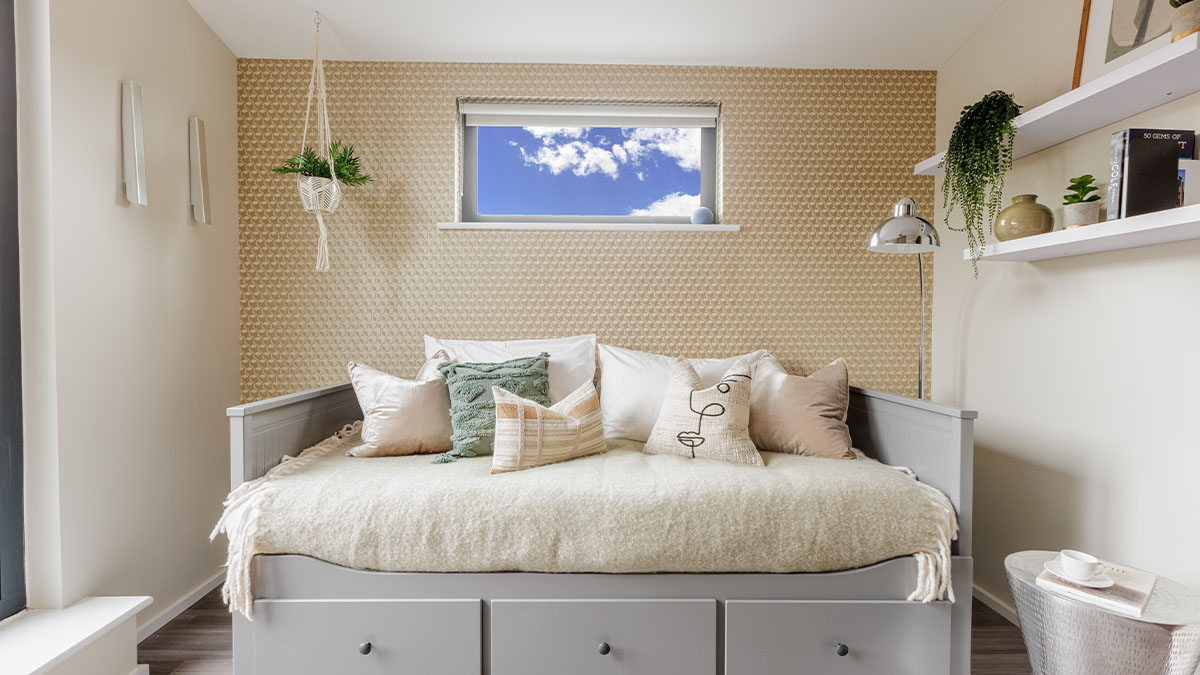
(906, 232)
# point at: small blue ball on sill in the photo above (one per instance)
(702, 216)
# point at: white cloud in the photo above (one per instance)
(550, 134)
(674, 204)
(563, 148)
(596, 160)
(581, 157)
(682, 145)
(633, 150)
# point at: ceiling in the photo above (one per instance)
(918, 34)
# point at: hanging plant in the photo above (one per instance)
(321, 172)
(977, 158)
(347, 168)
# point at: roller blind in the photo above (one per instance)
(582, 115)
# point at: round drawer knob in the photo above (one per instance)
(604, 648)
(364, 648)
(842, 649)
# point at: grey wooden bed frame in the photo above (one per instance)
(313, 616)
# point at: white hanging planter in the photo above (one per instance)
(319, 195)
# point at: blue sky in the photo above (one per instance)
(588, 171)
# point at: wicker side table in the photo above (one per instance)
(1067, 637)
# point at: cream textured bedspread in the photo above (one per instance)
(622, 512)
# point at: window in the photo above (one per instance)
(587, 163)
(12, 554)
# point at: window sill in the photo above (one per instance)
(590, 227)
(37, 640)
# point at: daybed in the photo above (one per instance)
(571, 615)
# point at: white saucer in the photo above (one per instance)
(1102, 580)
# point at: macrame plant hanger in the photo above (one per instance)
(319, 195)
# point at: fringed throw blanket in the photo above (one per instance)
(619, 512)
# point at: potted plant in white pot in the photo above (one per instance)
(317, 182)
(1186, 19)
(1080, 206)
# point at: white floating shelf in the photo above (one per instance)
(1161, 227)
(591, 227)
(1161, 76)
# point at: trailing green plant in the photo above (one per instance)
(1179, 3)
(977, 158)
(1080, 190)
(345, 162)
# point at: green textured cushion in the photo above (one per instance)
(472, 408)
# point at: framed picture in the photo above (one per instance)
(1115, 32)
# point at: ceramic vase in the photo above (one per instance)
(1185, 21)
(1083, 213)
(1024, 218)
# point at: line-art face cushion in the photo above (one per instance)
(711, 422)
(472, 408)
(529, 434)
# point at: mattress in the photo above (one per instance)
(618, 512)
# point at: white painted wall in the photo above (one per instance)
(1084, 370)
(131, 313)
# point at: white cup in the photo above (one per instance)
(1080, 565)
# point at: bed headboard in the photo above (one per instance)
(262, 432)
(935, 441)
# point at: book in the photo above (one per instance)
(1127, 596)
(1150, 172)
(1116, 171)
(1189, 182)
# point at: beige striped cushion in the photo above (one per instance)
(529, 435)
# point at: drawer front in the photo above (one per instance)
(802, 638)
(644, 637)
(321, 637)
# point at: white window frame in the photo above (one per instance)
(474, 115)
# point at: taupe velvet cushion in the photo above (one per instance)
(801, 415)
(705, 423)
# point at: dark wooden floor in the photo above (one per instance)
(199, 642)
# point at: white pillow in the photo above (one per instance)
(633, 385)
(572, 359)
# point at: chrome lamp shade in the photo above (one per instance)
(904, 232)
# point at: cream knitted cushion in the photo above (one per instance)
(529, 435)
(712, 422)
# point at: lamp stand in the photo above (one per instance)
(921, 360)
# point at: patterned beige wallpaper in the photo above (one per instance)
(812, 161)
